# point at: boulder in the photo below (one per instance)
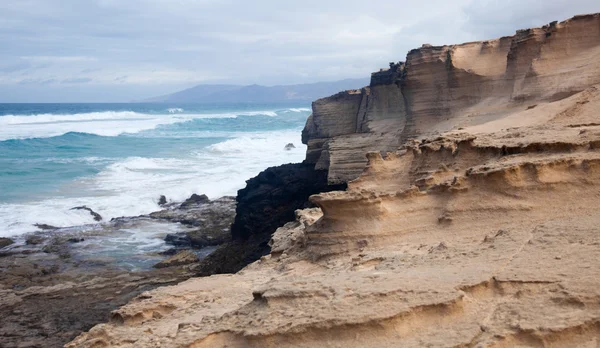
(289, 146)
(162, 200)
(194, 200)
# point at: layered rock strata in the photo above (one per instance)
(483, 236)
(439, 88)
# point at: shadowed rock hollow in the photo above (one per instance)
(470, 217)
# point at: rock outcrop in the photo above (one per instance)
(439, 88)
(267, 202)
(184, 257)
(208, 221)
(483, 236)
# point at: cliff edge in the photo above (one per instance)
(471, 222)
(440, 88)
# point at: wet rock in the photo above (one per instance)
(4, 242)
(194, 200)
(45, 227)
(211, 221)
(34, 240)
(289, 146)
(97, 217)
(201, 238)
(178, 239)
(162, 200)
(184, 257)
(54, 287)
(169, 252)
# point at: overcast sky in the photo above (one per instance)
(119, 50)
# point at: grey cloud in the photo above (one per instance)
(161, 45)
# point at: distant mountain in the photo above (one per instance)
(258, 93)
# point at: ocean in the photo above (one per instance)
(117, 159)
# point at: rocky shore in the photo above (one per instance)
(466, 217)
(58, 282)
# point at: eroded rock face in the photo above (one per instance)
(484, 236)
(440, 88)
(470, 239)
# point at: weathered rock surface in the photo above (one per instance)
(439, 88)
(487, 236)
(470, 239)
(47, 299)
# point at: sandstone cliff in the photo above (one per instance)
(447, 87)
(485, 234)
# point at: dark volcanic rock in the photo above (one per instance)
(34, 240)
(162, 200)
(4, 242)
(97, 217)
(45, 227)
(268, 202)
(210, 220)
(194, 199)
(289, 146)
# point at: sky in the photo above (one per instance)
(123, 50)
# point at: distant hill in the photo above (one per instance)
(258, 93)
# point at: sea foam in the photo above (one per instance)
(131, 186)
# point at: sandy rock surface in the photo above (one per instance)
(486, 234)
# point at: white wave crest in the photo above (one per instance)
(299, 109)
(257, 113)
(174, 110)
(132, 185)
(108, 123)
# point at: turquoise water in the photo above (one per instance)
(118, 158)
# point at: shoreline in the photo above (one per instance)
(58, 283)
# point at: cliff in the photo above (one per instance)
(477, 228)
(442, 88)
